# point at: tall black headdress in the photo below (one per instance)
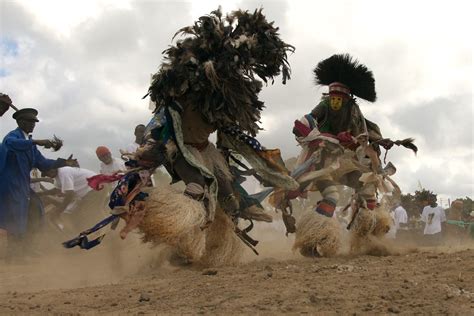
(343, 69)
(215, 68)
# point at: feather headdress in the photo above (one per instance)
(217, 65)
(342, 68)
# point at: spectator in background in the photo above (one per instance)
(109, 165)
(400, 220)
(72, 184)
(455, 211)
(132, 148)
(139, 136)
(457, 229)
(433, 216)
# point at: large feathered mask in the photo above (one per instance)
(217, 67)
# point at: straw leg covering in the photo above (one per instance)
(369, 223)
(175, 220)
(367, 232)
(383, 221)
(223, 247)
(317, 235)
(364, 223)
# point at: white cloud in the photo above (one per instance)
(86, 64)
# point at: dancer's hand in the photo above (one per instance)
(71, 162)
(46, 143)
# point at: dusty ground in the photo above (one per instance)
(126, 277)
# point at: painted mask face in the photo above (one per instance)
(336, 102)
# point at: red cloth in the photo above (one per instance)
(293, 194)
(97, 182)
(325, 208)
(102, 150)
(347, 141)
(301, 129)
(371, 204)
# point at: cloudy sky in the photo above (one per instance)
(86, 64)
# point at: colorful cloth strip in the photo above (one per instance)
(97, 182)
(83, 242)
(326, 208)
(120, 195)
(249, 140)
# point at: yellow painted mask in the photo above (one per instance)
(336, 102)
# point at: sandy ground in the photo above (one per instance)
(127, 277)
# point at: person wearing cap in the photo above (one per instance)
(18, 156)
(108, 164)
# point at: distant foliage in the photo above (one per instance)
(412, 202)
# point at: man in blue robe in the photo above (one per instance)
(18, 156)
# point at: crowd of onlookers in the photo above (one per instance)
(31, 184)
(434, 223)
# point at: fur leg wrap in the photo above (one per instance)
(174, 219)
(223, 246)
(317, 235)
(383, 221)
(364, 222)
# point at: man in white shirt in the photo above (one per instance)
(432, 215)
(400, 221)
(71, 183)
(139, 136)
(109, 165)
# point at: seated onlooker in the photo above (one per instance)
(108, 164)
(432, 215)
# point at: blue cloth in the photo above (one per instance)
(123, 188)
(236, 132)
(18, 156)
(83, 242)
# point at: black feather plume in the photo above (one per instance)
(346, 70)
(408, 143)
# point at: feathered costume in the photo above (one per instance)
(209, 82)
(339, 147)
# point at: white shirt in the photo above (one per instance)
(433, 216)
(131, 148)
(113, 167)
(36, 187)
(74, 179)
(399, 216)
